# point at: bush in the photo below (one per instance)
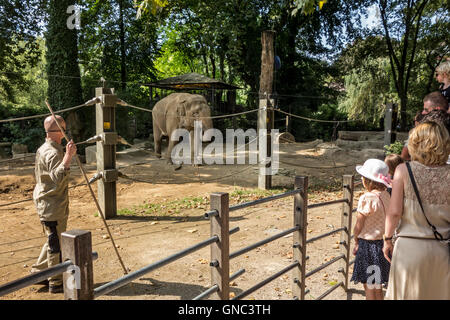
(395, 148)
(28, 132)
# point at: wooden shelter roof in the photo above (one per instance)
(191, 81)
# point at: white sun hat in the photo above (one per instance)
(375, 170)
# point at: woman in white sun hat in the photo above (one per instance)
(371, 267)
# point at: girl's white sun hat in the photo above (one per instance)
(375, 170)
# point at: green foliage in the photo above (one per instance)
(395, 148)
(64, 86)
(307, 6)
(19, 29)
(28, 132)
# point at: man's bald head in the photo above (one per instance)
(51, 126)
(433, 101)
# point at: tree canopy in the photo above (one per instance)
(334, 65)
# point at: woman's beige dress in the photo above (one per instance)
(420, 268)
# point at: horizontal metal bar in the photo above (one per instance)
(113, 285)
(266, 281)
(34, 278)
(207, 292)
(38, 276)
(324, 265)
(211, 213)
(263, 200)
(330, 290)
(325, 235)
(215, 287)
(262, 242)
(234, 230)
(296, 298)
(316, 205)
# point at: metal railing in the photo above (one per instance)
(113, 285)
(37, 277)
(220, 255)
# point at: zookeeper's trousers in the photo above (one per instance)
(51, 251)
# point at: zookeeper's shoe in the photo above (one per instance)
(56, 288)
(43, 282)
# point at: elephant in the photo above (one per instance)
(176, 111)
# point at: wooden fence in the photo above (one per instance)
(77, 250)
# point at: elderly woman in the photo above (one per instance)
(420, 264)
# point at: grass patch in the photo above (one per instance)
(175, 207)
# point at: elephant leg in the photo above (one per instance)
(169, 150)
(157, 137)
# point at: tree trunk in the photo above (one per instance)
(123, 62)
(213, 65)
(64, 82)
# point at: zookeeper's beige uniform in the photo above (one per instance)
(51, 198)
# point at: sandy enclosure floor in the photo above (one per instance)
(143, 239)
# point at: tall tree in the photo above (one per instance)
(64, 82)
(402, 23)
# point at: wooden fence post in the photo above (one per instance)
(265, 113)
(106, 151)
(346, 221)
(388, 124)
(299, 236)
(78, 281)
(220, 251)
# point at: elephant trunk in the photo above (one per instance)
(206, 124)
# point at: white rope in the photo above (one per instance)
(125, 104)
(310, 119)
(87, 103)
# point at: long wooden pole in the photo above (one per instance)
(90, 189)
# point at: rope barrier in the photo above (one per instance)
(30, 199)
(311, 167)
(311, 119)
(87, 103)
(126, 104)
(169, 182)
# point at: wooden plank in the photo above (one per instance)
(220, 251)
(346, 221)
(299, 237)
(76, 246)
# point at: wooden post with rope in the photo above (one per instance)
(266, 113)
(105, 125)
(90, 189)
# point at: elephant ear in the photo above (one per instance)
(181, 108)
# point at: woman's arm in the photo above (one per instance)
(395, 209)
(360, 219)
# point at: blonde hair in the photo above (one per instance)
(429, 143)
(393, 160)
(373, 185)
(444, 68)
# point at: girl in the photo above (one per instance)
(371, 268)
(392, 161)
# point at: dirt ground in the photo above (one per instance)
(143, 239)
